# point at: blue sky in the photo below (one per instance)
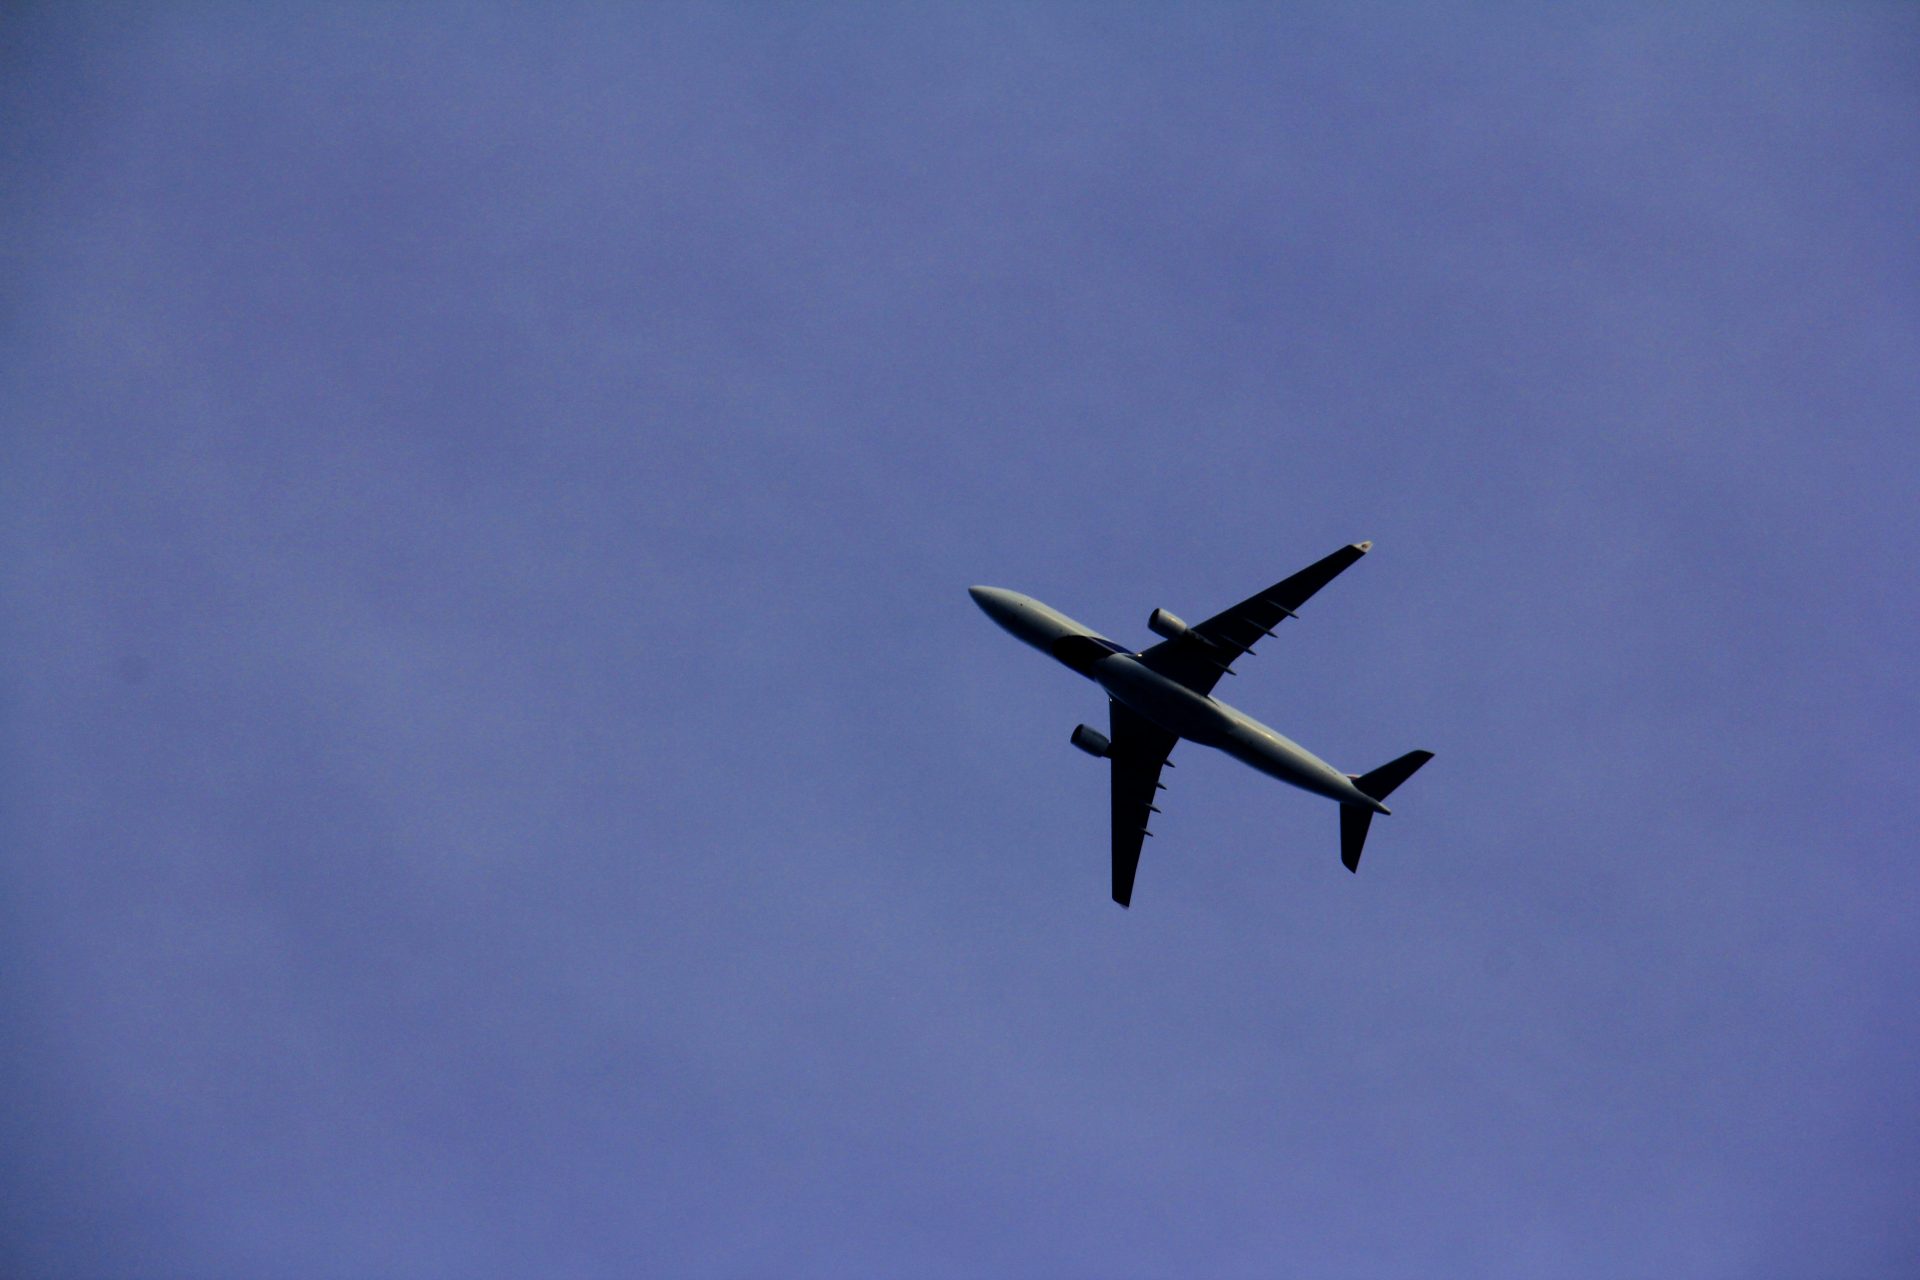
(502, 775)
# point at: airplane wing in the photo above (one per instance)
(1206, 651)
(1139, 748)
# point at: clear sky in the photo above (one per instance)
(501, 775)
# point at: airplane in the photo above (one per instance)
(1162, 694)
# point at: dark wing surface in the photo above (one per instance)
(1207, 651)
(1139, 748)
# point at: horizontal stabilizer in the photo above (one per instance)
(1380, 783)
(1353, 833)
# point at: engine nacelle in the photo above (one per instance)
(1164, 624)
(1090, 741)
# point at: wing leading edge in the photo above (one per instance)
(1138, 750)
(1207, 651)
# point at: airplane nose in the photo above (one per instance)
(993, 602)
(1024, 618)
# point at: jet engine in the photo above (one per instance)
(1162, 623)
(1091, 742)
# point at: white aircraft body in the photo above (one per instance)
(1162, 694)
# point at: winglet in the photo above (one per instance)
(1364, 546)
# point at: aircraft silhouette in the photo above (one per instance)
(1163, 694)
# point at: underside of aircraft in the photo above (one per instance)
(1163, 694)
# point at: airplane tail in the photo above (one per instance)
(1379, 784)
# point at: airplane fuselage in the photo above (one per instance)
(1167, 703)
